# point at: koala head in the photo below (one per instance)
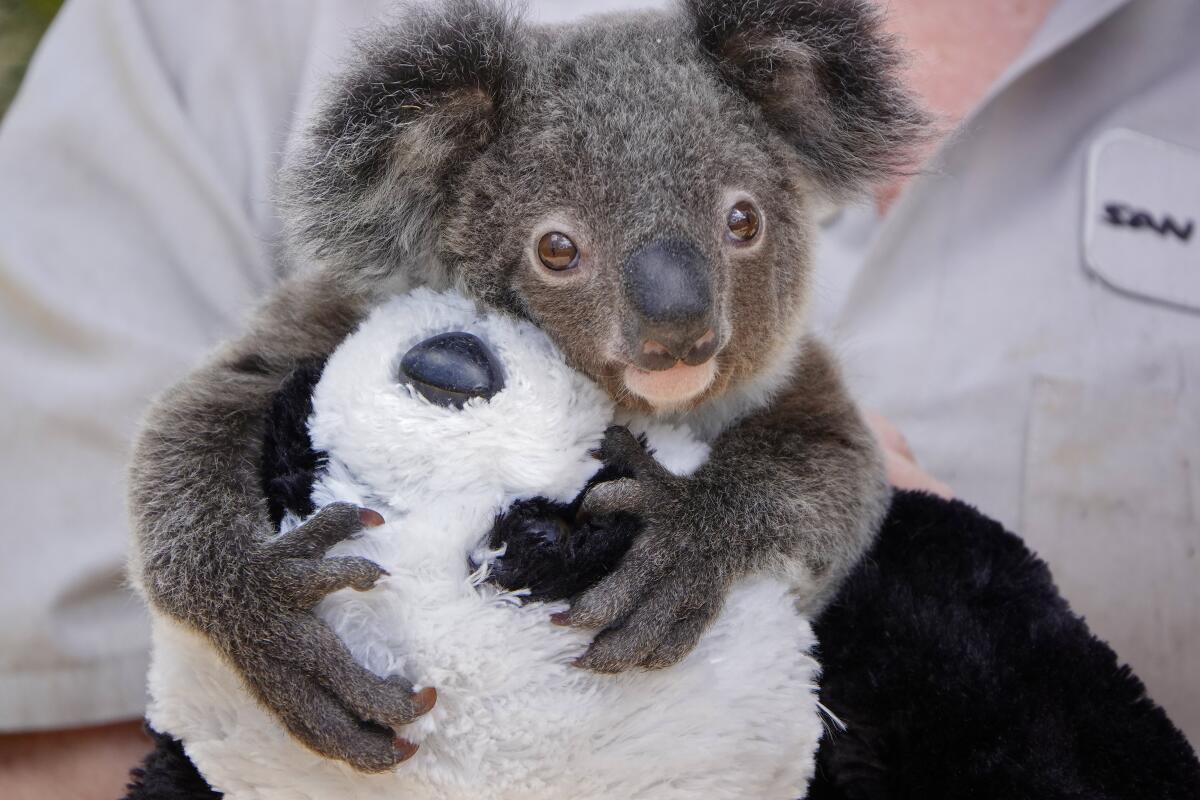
(642, 187)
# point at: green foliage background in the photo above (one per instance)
(22, 23)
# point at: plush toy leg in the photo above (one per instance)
(960, 671)
(168, 774)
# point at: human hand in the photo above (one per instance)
(903, 471)
(78, 764)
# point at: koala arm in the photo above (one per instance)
(206, 553)
(797, 489)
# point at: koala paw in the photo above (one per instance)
(298, 667)
(653, 608)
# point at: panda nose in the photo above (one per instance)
(451, 368)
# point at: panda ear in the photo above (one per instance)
(425, 98)
(826, 78)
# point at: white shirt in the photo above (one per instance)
(1066, 409)
(135, 184)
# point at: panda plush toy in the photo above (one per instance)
(470, 434)
(951, 666)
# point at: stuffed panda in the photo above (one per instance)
(475, 440)
(951, 666)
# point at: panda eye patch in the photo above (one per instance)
(556, 251)
(451, 368)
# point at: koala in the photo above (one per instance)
(642, 188)
(470, 432)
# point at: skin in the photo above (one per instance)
(76, 761)
(903, 469)
(956, 51)
(81, 764)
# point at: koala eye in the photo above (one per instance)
(743, 221)
(557, 252)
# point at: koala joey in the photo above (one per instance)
(642, 188)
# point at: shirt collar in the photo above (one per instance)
(1067, 22)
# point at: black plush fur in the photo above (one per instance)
(555, 553)
(289, 463)
(960, 672)
(168, 774)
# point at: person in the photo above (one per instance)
(1017, 306)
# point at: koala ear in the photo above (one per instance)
(424, 98)
(826, 78)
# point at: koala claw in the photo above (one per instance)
(623, 451)
(324, 724)
(299, 668)
(405, 750)
(295, 562)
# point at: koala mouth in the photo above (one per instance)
(670, 388)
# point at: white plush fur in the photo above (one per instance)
(737, 719)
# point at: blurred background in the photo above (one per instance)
(22, 23)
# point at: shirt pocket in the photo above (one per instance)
(1141, 216)
(1110, 502)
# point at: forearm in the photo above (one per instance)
(195, 494)
(205, 548)
(80, 762)
(803, 478)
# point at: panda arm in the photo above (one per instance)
(290, 463)
(206, 555)
(553, 553)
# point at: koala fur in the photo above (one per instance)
(460, 138)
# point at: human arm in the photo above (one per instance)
(903, 470)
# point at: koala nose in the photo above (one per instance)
(451, 368)
(667, 284)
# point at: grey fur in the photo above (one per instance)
(796, 489)
(205, 554)
(462, 133)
